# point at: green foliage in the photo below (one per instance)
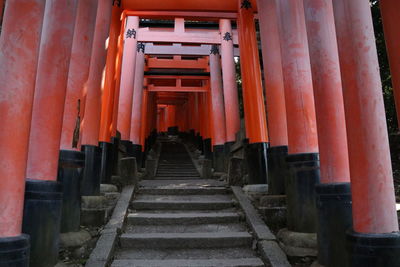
(387, 88)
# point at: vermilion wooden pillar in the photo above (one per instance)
(78, 73)
(42, 218)
(91, 125)
(254, 108)
(137, 103)
(16, 94)
(274, 94)
(301, 120)
(118, 67)
(91, 122)
(375, 240)
(143, 125)
(127, 77)
(218, 111)
(109, 90)
(389, 10)
(229, 83)
(334, 215)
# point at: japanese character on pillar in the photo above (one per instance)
(117, 3)
(141, 47)
(214, 50)
(246, 4)
(131, 33)
(228, 37)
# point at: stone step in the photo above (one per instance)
(175, 174)
(244, 262)
(180, 184)
(182, 218)
(177, 171)
(186, 240)
(185, 253)
(188, 190)
(186, 228)
(182, 202)
(177, 178)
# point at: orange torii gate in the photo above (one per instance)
(317, 80)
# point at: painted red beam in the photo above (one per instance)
(177, 63)
(196, 36)
(182, 14)
(179, 5)
(178, 88)
(169, 77)
(179, 49)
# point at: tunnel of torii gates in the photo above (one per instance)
(80, 78)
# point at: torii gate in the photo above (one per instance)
(327, 135)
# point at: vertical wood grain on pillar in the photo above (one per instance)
(229, 81)
(127, 77)
(329, 106)
(144, 119)
(109, 90)
(18, 64)
(91, 121)
(217, 101)
(253, 99)
(273, 73)
(78, 69)
(118, 68)
(50, 89)
(391, 20)
(374, 209)
(300, 110)
(137, 97)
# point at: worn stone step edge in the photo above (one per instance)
(186, 240)
(181, 205)
(182, 218)
(241, 262)
(184, 191)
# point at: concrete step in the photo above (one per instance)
(175, 174)
(245, 262)
(182, 218)
(181, 184)
(187, 228)
(182, 202)
(184, 253)
(189, 190)
(186, 240)
(177, 177)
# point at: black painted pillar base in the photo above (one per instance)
(70, 172)
(300, 192)
(106, 162)
(115, 154)
(192, 135)
(41, 221)
(334, 219)
(137, 153)
(219, 158)
(90, 184)
(277, 169)
(173, 130)
(208, 154)
(200, 143)
(227, 153)
(128, 147)
(373, 250)
(257, 163)
(14, 251)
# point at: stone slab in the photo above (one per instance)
(186, 240)
(121, 209)
(246, 262)
(103, 252)
(260, 229)
(182, 218)
(272, 254)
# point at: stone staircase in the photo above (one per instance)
(179, 220)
